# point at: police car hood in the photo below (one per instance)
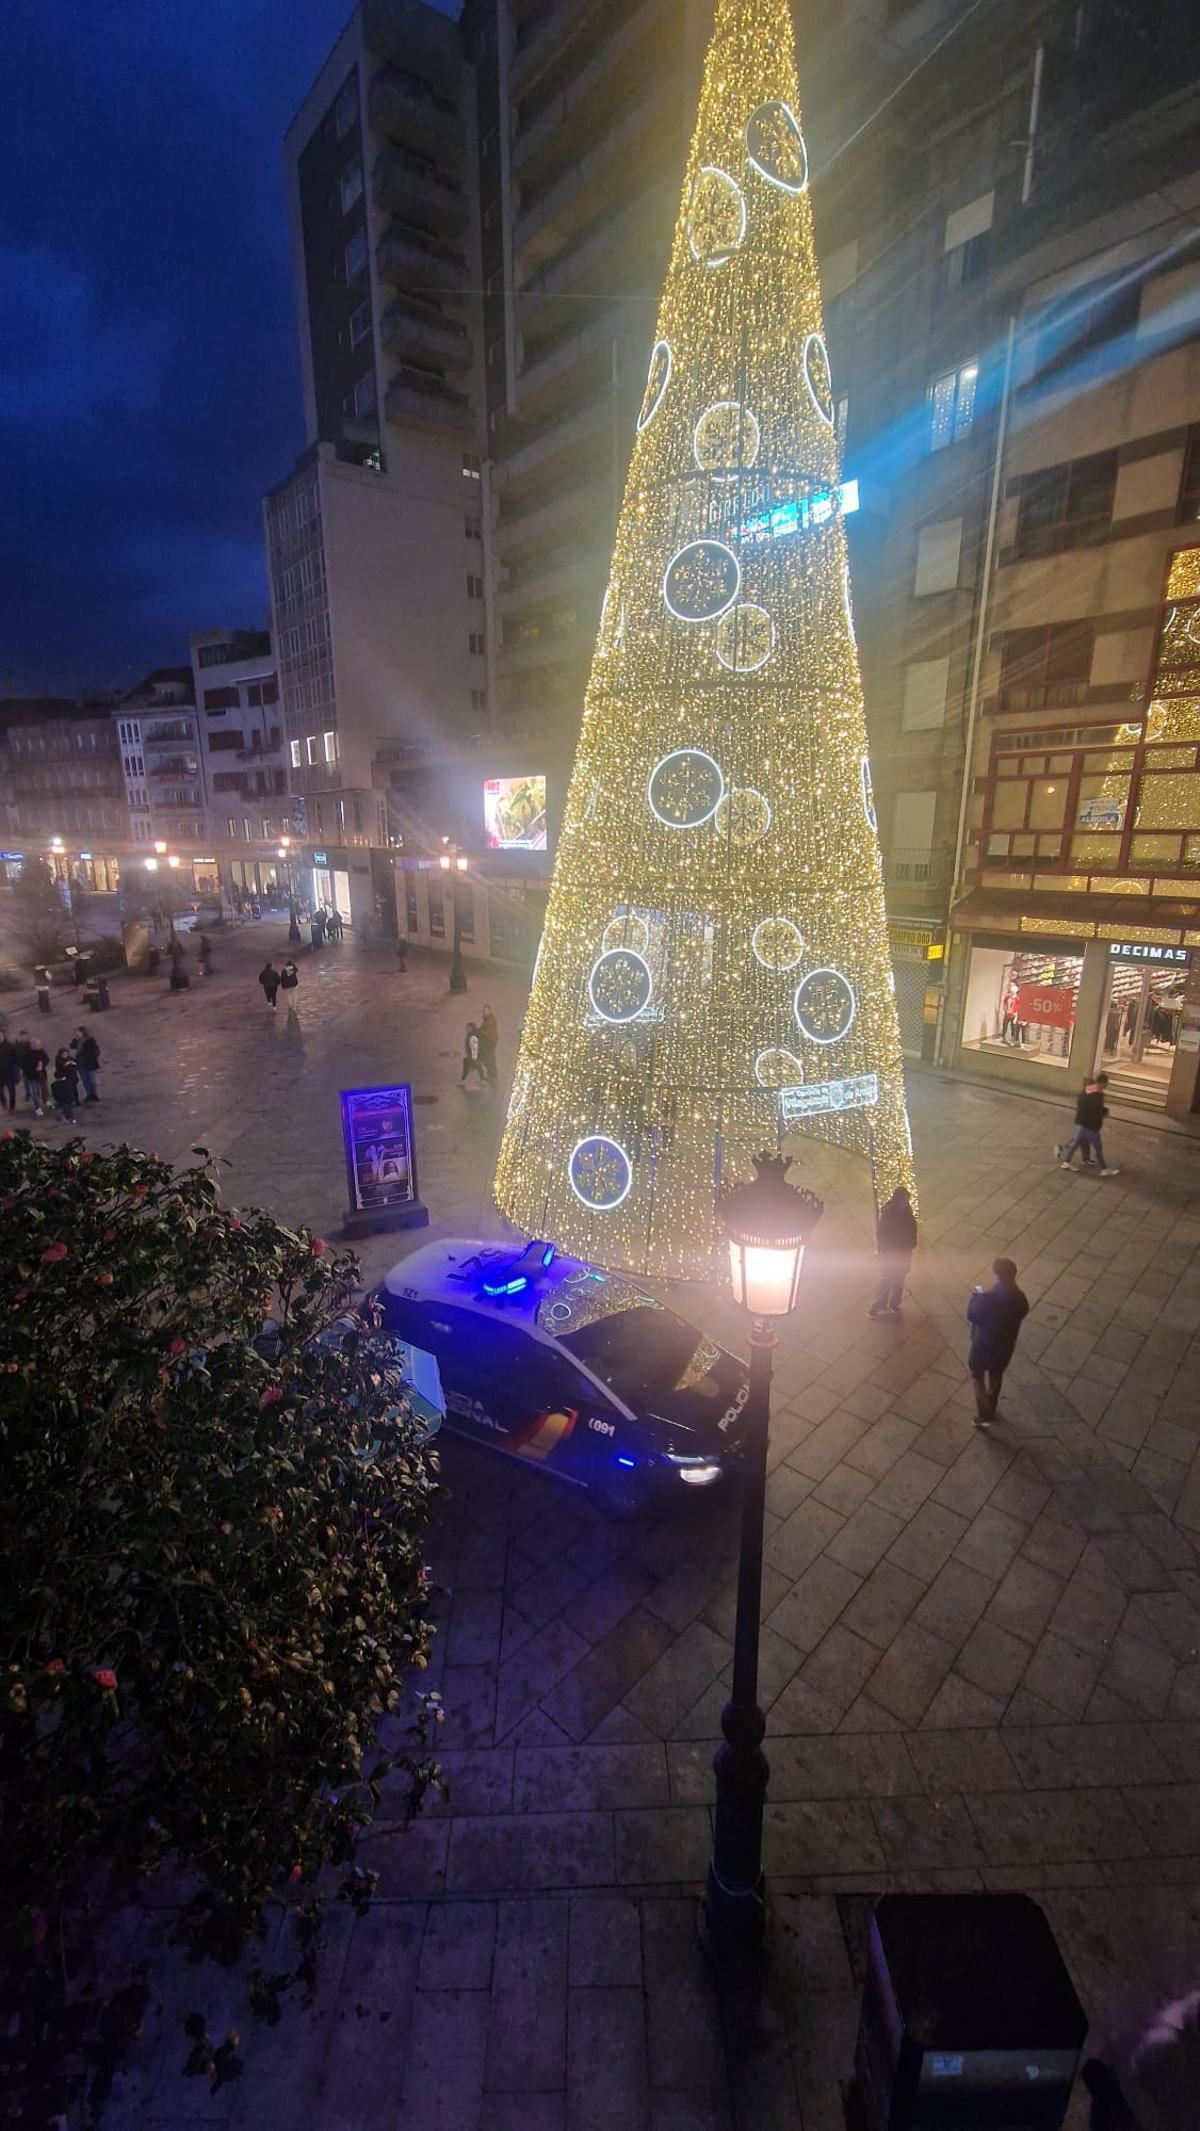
(709, 1399)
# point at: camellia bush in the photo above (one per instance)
(212, 1591)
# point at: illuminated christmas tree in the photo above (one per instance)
(714, 972)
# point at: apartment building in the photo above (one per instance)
(375, 541)
(236, 689)
(62, 794)
(162, 761)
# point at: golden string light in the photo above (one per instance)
(714, 973)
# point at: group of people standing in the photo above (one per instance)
(25, 1066)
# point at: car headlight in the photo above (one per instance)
(696, 1472)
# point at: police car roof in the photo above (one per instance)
(461, 1270)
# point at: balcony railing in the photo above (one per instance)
(411, 327)
(399, 103)
(402, 181)
(413, 395)
(919, 869)
(409, 255)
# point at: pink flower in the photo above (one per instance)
(56, 1668)
(271, 1397)
(105, 1279)
(234, 1221)
(105, 1678)
(177, 1346)
(297, 1872)
(227, 1527)
(273, 1514)
(318, 1247)
(55, 1252)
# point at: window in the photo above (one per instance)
(478, 643)
(925, 685)
(231, 824)
(938, 548)
(966, 242)
(471, 466)
(1066, 506)
(1170, 303)
(1189, 491)
(296, 754)
(331, 746)
(1087, 319)
(247, 829)
(352, 183)
(220, 699)
(355, 256)
(474, 588)
(360, 324)
(310, 747)
(912, 822)
(479, 699)
(362, 400)
(1042, 668)
(473, 526)
(345, 112)
(266, 830)
(952, 405)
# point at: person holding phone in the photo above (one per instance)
(995, 1315)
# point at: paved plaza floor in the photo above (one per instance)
(980, 1653)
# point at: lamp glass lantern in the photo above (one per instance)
(768, 1224)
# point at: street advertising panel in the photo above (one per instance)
(381, 1160)
(514, 813)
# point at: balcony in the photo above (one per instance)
(540, 518)
(407, 257)
(930, 870)
(618, 67)
(418, 329)
(619, 245)
(553, 375)
(416, 396)
(543, 33)
(400, 105)
(577, 434)
(578, 569)
(552, 647)
(171, 765)
(603, 172)
(404, 182)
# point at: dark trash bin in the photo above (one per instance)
(969, 2021)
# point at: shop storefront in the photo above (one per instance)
(498, 920)
(1142, 1017)
(1022, 1000)
(918, 960)
(330, 886)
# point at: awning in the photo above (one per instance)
(1077, 917)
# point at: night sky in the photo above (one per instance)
(149, 391)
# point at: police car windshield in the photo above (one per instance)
(634, 1345)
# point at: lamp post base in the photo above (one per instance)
(732, 1926)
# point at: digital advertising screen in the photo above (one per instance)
(381, 1166)
(514, 813)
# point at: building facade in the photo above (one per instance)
(62, 793)
(236, 689)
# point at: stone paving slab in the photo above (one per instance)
(981, 1654)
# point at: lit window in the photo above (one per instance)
(952, 405)
(356, 256)
(266, 830)
(352, 183)
(472, 470)
(246, 828)
(311, 748)
(330, 747)
(362, 400)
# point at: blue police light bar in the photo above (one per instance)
(548, 1256)
(627, 1461)
(506, 1287)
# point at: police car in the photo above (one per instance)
(566, 1366)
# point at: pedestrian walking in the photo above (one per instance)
(86, 1052)
(289, 982)
(268, 977)
(472, 1056)
(402, 956)
(65, 1086)
(995, 1315)
(895, 1241)
(41, 985)
(1090, 1113)
(489, 1037)
(334, 927)
(34, 1062)
(10, 1074)
(204, 954)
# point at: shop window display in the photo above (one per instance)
(1140, 1027)
(1022, 1002)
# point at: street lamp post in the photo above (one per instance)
(458, 968)
(768, 1224)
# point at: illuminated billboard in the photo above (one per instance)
(514, 813)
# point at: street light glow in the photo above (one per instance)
(152, 865)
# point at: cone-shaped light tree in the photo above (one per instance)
(714, 972)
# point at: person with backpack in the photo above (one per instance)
(1090, 1113)
(895, 1241)
(995, 1315)
(268, 977)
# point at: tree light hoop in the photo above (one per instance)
(746, 432)
(774, 112)
(685, 754)
(655, 393)
(701, 551)
(788, 950)
(814, 350)
(645, 983)
(806, 1028)
(731, 192)
(596, 1143)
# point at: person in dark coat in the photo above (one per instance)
(65, 1086)
(895, 1241)
(10, 1073)
(995, 1315)
(86, 1052)
(34, 1062)
(489, 1037)
(268, 977)
(1090, 1113)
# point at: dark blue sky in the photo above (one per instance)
(148, 375)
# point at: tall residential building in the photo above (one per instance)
(62, 794)
(158, 734)
(246, 763)
(375, 541)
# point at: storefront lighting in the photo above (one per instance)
(173, 862)
(160, 848)
(444, 862)
(461, 863)
(152, 865)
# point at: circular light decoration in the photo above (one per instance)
(600, 1172)
(775, 146)
(657, 380)
(725, 440)
(778, 1069)
(701, 581)
(868, 796)
(745, 638)
(628, 931)
(824, 1006)
(744, 816)
(716, 218)
(777, 943)
(620, 985)
(685, 789)
(819, 378)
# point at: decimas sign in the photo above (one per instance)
(714, 975)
